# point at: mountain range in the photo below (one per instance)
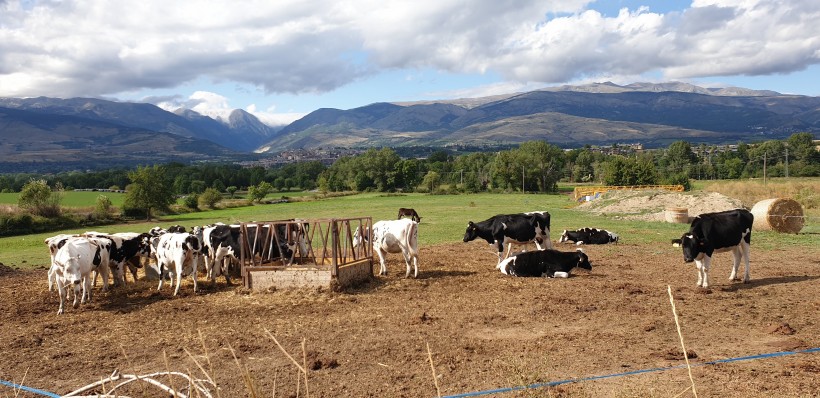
(52, 134)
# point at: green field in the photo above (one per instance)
(444, 219)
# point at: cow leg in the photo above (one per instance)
(162, 274)
(382, 261)
(746, 248)
(61, 291)
(703, 270)
(86, 290)
(52, 276)
(194, 271)
(77, 293)
(736, 253)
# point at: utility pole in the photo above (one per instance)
(787, 162)
(764, 167)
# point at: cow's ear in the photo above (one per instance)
(470, 224)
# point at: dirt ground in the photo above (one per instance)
(485, 330)
(652, 205)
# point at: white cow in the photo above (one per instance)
(74, 263)
(54, 244)
(175, 251)
(393, 236)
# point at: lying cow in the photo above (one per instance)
(711, 233)
(550, 263)
(392, 236)
(589, 236)
(409, 213)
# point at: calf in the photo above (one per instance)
(551, 263)
(409, 213)
(175, 253)
(711, 233)
(74, 263)
(519, 229)
(591, 236)
(392, 236)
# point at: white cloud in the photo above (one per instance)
(98, 48)
(219, 107)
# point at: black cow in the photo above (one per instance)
(711, 233)
(409, 213)
(551, 263)
(590, 236)
(519, 229)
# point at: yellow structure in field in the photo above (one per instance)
(590, 193)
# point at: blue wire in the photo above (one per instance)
(29, 389)
(633, 372)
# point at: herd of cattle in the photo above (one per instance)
(76, 260)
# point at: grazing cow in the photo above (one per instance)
(222, 245)
(711, 233)
(590, 236)
(409, 213)
(74, 263)
(510, 229)
(392, 236)
(551, 263)
(175, 252)
(124, 247)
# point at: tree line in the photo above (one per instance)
(534, 166)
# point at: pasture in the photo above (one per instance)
(485, 330)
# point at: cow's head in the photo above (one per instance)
(360, 235)
(692, 246)
(564, 237)
(583, 261)
(472, 232)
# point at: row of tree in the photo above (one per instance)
(534, 166)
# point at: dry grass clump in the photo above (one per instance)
(805, 192)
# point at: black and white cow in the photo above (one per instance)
(589, 236)
(177, 255)
(222, 244)
(711, 233)
(392, 236)
(550, 263)
(124, 247)
(519, 229)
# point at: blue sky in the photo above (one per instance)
(281, 60)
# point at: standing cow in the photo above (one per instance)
(176, 252)
(711, 233)
(409, 213)
(509, 229)
(392, 236)
(74, 263)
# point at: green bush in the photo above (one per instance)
(37, 197)
(210, 198)
(102, 208)
(191, 201)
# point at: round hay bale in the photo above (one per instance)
(778, 214)
(677, 215)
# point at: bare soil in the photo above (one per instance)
(485, 330)
(652, 205)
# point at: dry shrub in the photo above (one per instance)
(750, 192)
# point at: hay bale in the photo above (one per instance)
(778, 214)
(677, 215)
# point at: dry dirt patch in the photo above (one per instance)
(485, 330)
(651, 205)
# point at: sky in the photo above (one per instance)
(283, 59)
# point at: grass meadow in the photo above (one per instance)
(444, 219)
